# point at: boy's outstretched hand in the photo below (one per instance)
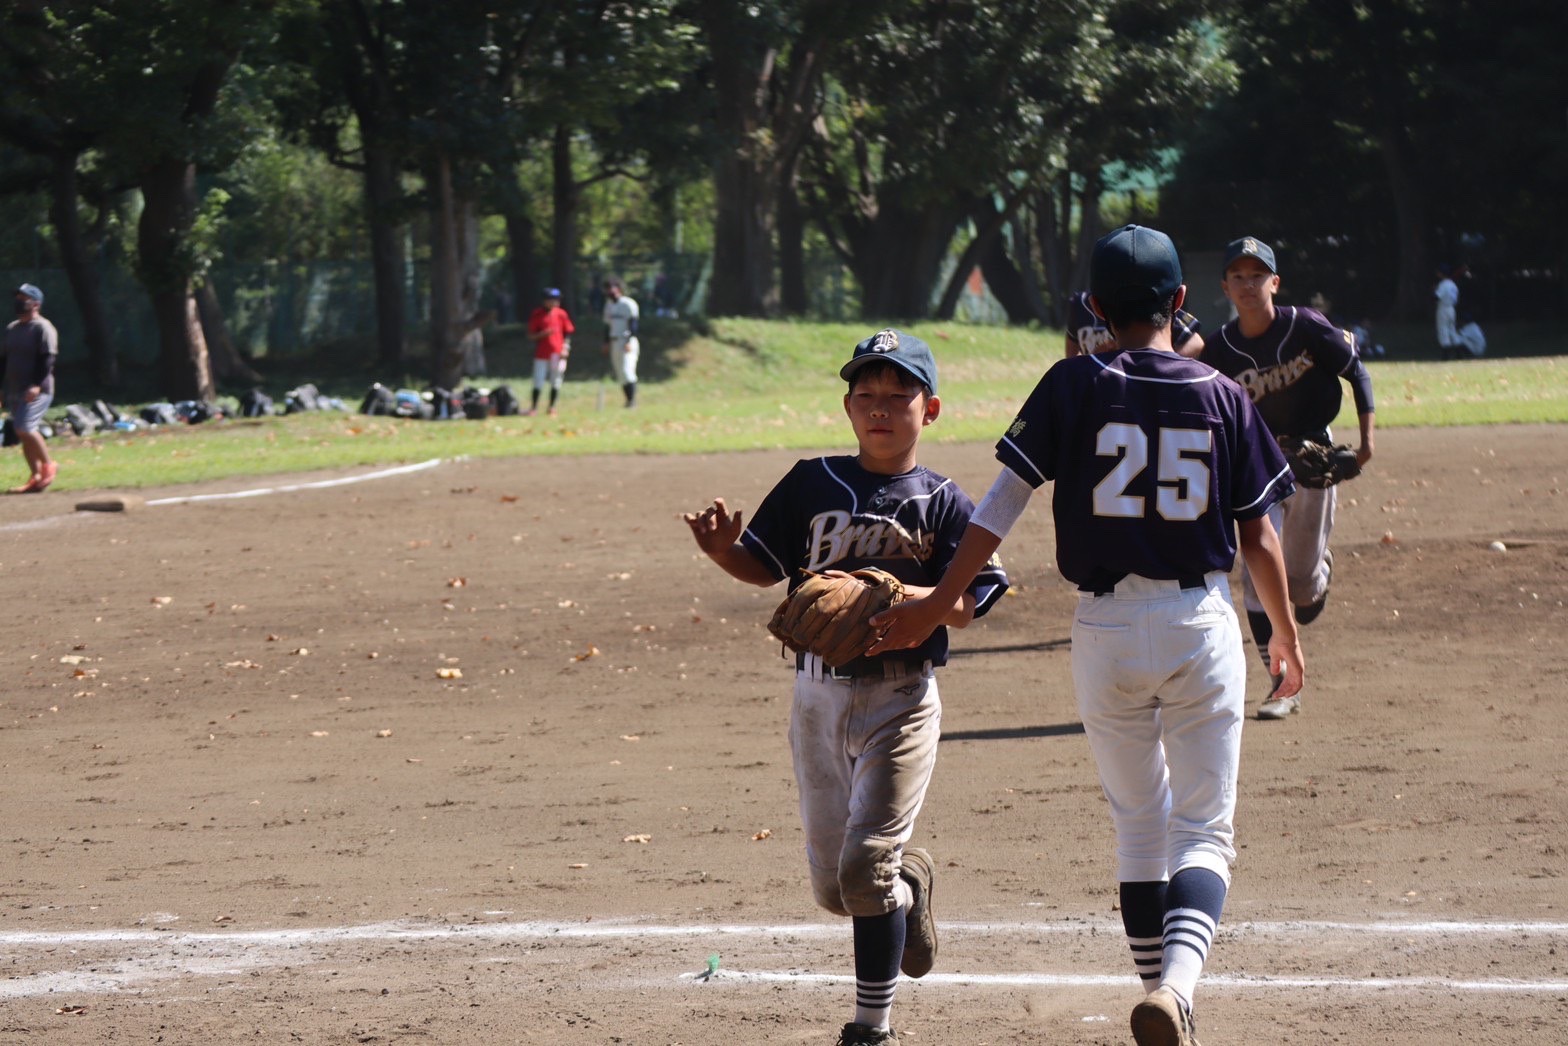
(715, 528)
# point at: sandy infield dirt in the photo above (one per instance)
(490, 753)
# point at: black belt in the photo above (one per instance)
(1185, 581)
(865, 667)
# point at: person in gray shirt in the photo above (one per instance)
(27, 357)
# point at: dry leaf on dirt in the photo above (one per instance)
(383, 733)
(456, 582)
(72, 659)
(224, 919)
(630, 737)
(592, 651)
(72, 1010)
(449, 673)
(245, 663)
(766, 833)
(162, 601)
(640, 838)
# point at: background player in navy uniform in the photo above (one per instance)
(864, 736)
(1156, 461)
(1290, 360)
(1087, 332)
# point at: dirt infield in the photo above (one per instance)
(489, 753)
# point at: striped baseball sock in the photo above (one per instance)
(879, 948)
(1193, 903)
(1143, 917)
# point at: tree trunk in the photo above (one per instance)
(226, 361)
(1023, 255)
(472, 339)
(744, 195)
(1414, 288)
(1088, 227)
(526, 288)
(382, 199)
(564, 198)
(446, 356)
(1054, 249)
(792, 246)
(169, 209)
(898, 258)
(80, 271)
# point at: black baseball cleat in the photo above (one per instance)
(1308, 614)
(865, 1035)
(920, 940)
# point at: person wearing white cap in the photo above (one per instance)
(27, 357)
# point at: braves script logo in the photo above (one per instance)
(1260, 383)
(885, 341)
(834, 536)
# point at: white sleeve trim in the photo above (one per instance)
(1003, 504)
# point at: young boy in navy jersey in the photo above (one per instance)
(1156, 462)
(864, 735)
(1290, 360)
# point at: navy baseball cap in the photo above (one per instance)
(1134, 265)
(32, 292)
(904, 351)
(1250, 247)
(552, 292)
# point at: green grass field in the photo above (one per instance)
(726, 385)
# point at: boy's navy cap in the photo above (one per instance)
(904, 351)
(32, 292)
(1249, 247)
(552, 292)
(1134, 265)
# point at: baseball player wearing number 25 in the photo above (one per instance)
(863, 735)
(1157, 461)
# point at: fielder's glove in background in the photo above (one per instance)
(1318, 465)
(829, 614)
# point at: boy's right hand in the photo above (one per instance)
(714, 528)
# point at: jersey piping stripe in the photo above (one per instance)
(1283, 473)
(1289, 326)
(1213, 374)
(755, 543)
(1025, 459)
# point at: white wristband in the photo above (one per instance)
(1003, 504)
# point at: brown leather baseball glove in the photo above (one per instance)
(829, 614)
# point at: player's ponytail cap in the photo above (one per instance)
(904, 351)
(1134, 265)
(32, 292)
(1249, 247)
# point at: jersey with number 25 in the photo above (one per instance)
(1154, 458)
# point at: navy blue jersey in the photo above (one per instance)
(1154, 458)
(830, 514)
(1291, 370)
(1092, 335)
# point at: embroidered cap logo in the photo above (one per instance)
(885, 341)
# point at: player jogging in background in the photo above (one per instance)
(551, 329)
(1156, 461)
(1291, 361)
(864, 735)
(622, 342)
(1087, 332)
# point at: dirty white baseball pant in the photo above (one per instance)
(864, 750)
(1161, 681)
(1304, 522)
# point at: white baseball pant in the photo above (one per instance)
(1161, 681)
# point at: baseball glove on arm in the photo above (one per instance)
(829, 614)
(1319, 465)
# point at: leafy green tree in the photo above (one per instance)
(1369, 136)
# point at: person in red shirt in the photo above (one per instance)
(550, 327)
